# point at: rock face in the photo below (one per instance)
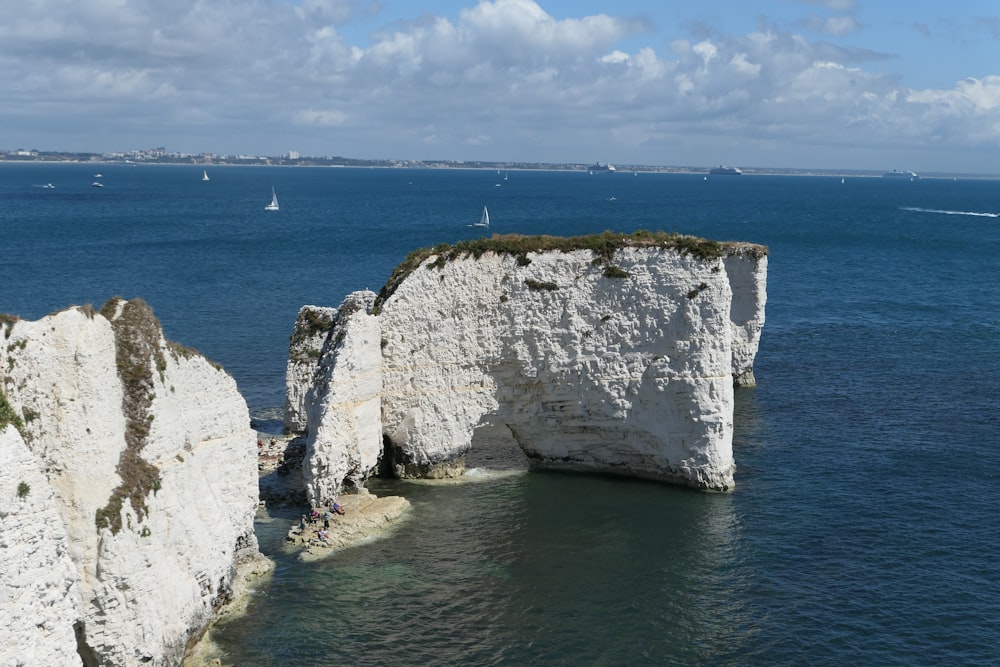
(748, 282)
(620, 361)
(310, 333)
(39, 590)
(344, 403)
(145, 490)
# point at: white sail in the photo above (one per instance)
(273, 206)
(204, 175)
(485, 220)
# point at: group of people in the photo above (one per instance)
(314, 516)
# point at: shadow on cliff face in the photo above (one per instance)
(494, 448)
(279, 467)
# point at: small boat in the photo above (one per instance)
(49, 186)
(98, 175)
(273, 206)
(97, 184)
(204, 175)
(485, 220)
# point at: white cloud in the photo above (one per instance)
(968, 113)
(975, 95)
(831, 25)
(706, 51)
(616, 57)
(740, 63)
(834, 5)
(319, 117)
(502, 79)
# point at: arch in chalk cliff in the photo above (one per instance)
(620, 359)
(630, 376)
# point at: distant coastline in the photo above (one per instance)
(161, 156)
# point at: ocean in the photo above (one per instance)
(862, 528)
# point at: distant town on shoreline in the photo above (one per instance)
(294, 159)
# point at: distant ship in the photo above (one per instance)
(601, 167)
(904, 175)
(723, 170)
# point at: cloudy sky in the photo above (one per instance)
(867, 84)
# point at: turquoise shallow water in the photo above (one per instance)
(862, 527)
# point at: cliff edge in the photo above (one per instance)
(126, 500)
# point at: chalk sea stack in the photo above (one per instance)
(614, 353)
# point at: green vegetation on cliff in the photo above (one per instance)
(7, 322)
(603, 245)
(137, 345)
(8, 415)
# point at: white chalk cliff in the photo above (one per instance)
(126, 499)
(344, 402)
(621, 362)
(308, 337)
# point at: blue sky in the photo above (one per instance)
(852, 84)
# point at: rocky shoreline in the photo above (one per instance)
(365, 517)
(279, 463)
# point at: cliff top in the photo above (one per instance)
(603, 245)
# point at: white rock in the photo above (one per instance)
(312, 327)
(631, 375)
(345, 435)
(748, 281)
(144, 591)
(39, 595)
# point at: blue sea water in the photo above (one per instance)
(863, 525)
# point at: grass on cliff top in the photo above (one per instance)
(603, 245)
(310, 323)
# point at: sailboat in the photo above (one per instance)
(204, 175)
(485, 220)
(273, 206)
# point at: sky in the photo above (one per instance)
(826, 84)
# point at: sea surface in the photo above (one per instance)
(864, 525)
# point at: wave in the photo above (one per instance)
(943, 212)
(471, 476)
